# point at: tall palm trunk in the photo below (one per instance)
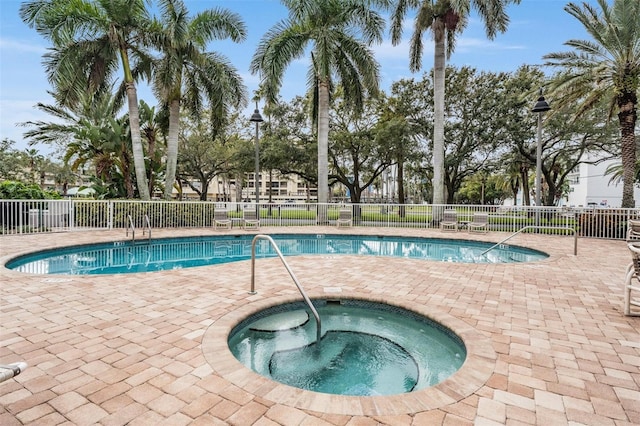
(323, 149)
(150, 135)
(136, 142)
(172, 147)
(438, 107)
(134, 124)
(627, 118)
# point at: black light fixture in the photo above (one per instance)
(257, 118)
(540, 107)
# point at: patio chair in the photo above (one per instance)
(449, 221)
(480, 223)
(632, 282)
(345, 217)
(633, 230)
(250, 219)
(221, 220)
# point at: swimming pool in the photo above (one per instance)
(123, 257)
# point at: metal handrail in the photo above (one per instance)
(147, 225)
(293, 277)
(133, 229)
(575, 236)
(8, 371)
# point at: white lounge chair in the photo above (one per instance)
(345, 217)
(449, 221)
(632, 282)
(221, 220)
(633, 230)
(250, 219)
(480, 223)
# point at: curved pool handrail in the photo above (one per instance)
(133, 229)
(566, 228)
(147, 225)
(291, 274)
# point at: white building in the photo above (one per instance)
(281, 188)
(589, 186)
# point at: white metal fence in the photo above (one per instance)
(32, 216)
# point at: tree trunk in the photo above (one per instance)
(401, 200)
(125, 162)
(323, 149)
(627, 118)
(172, 148)
(136, 142)
(205, 190)
(239, 185)
(438, 107)
(526, 199)
(151, 141)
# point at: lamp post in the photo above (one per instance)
(257, 118)
(540, 107)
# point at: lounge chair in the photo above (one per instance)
(633, 230)
(250, 219)
(449, 221)
(480, 223)
(221, 220)
(632, 282)
(345, 217)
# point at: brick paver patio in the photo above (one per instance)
(548, 342)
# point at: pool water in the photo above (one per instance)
(124, 257)
(367, 348)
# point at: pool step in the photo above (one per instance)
(282, 321)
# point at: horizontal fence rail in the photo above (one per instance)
(33, 216)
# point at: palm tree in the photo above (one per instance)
(616, 171)
(328, 28)
(186, 74)
(444, 18)
(36, 161)
(608, 67)
(91, 41)
(91, 133)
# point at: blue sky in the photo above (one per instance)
(537, 27)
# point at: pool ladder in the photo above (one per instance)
(291, 274)
(132, 228)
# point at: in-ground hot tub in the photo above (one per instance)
(367, 348)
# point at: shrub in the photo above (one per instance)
(13, 190)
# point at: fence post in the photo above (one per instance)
(110, 215)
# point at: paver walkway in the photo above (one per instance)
(128, 349)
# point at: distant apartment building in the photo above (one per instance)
(589, 186)
(274, 187)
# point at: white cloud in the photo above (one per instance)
(21, 46)
(386, 50)
(15, 112)
(467, 44)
